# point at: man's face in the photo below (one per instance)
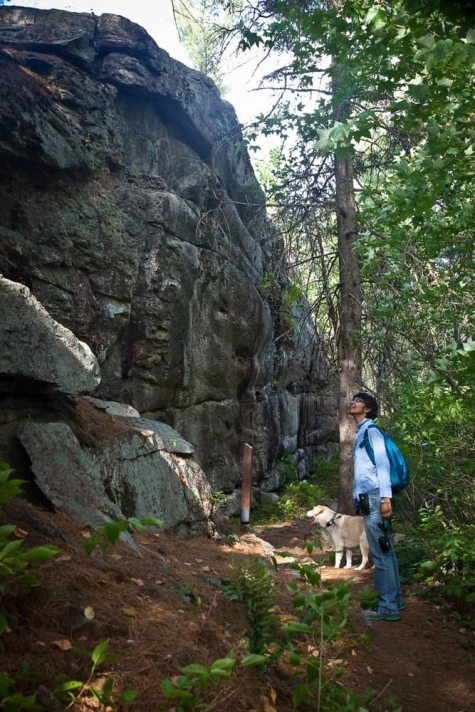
(358, 407)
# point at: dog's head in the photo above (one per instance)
(320, 514)
(315, 513)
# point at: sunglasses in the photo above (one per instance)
(357, 400)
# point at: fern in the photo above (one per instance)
(253, 586)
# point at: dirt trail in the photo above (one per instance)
(424, 661)
(166, 609)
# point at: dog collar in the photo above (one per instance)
(332, 520)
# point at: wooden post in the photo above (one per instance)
(246, 484)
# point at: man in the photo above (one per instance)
(372, 492)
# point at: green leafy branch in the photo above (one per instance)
(110, 532)
(196, 679)
(106, 695)
(16, 574)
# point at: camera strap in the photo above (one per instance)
(385, 525)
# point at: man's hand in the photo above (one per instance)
(386, 508)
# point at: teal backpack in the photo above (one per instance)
(399, 470)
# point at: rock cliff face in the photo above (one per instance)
(130, 211)
(94, 460)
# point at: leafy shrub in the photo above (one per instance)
(16, 573)
(110, 532)
(195, 679)
(299, 497)
(435, 427)
(188, 689)
(325, 473)
(448, 571)
(295, 499)
(411, 551)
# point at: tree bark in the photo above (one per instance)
(349, 348)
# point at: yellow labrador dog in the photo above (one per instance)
(345, 532)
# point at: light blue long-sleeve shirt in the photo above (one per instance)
(366, 475)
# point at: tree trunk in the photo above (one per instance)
(349, 349)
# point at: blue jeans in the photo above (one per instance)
(386, 572)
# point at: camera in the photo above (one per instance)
(384, 541)
(363, 502)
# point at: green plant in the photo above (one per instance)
(14, 701)
(290, 468)
(105, 695)
(411, 552)
(252, 584)
(448, 569)
(325, 473)
(284, 297)
(268, 281)
(196, 680)
(110, 532)
(8, 487)
(327, 604)
(367, 597)
(295, 499)
(16, 572)
(17, 576)
(187, 595)
(293, 294)
(299, 497)
(323, 617)
(219, 499)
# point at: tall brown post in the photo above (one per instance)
(246, 484)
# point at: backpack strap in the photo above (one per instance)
(365, 436)
(366, 443)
